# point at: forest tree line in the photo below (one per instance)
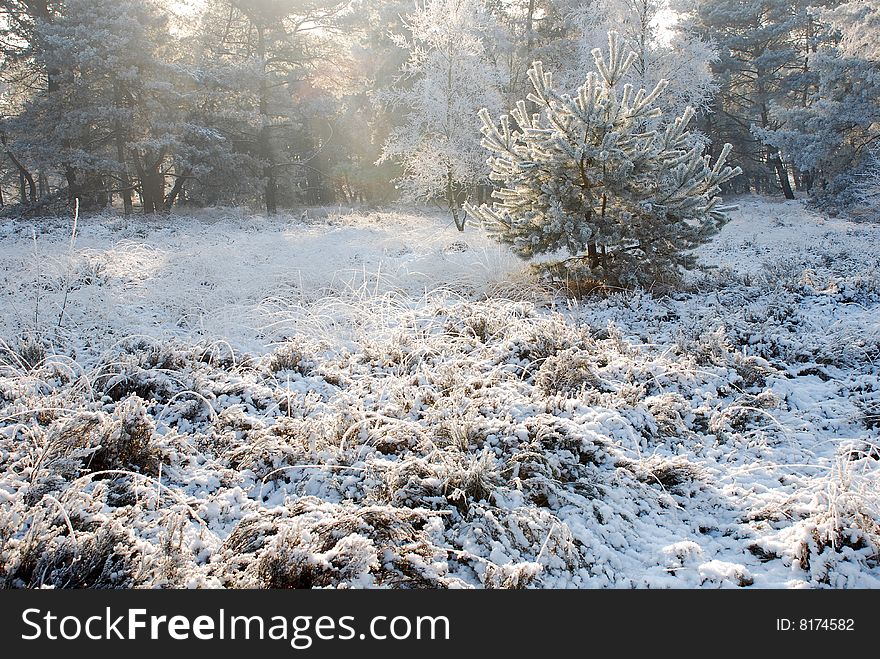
(147, 105)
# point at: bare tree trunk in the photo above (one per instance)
(265, 144)
(124, 178)
(154, 193)
(597, 257)
(26, 180)
(450, 199)
(152, 185)
(775, 160)
(32, 188)
(530, 28)
(72, 184)
(176, 189)
(593, 255)
(643, 11)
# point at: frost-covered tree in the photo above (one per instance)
(582, 176)
(263, 54)
(368, 63)
(446, 80)
(531, 30)
(111, 115)
(23, 77)
(764, 49)
(831, 137)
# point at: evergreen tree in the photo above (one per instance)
(831, 136)
(763, 48)
(23, 77)
(112, 118)
(262, 54)
(370, 62)
(582, 175)
(533, 30)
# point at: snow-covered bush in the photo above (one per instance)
(568, 372)
(127, 440)
(49, 555)
(586, 174)
(25, 354)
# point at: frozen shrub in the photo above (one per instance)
(127, 440)
(469, 477)
(753, 370)
(846, 522)
(708, 347)
(480, 324)
(511, 575)
(289, 357)
(263, 453)
(316, 544)
(681, 554)
(65, 447)
(354, 560)
(48, 557)
(747, 414)
(673, 474)
(458, 434)
(568, 372)
(870, 413)
(251, 533)
(414, 483)
(854, 514)
(87, 271)
(26, 354)
(531, 346)
(143, 369)
(671, 412)
(291, 562)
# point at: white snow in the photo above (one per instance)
(373, 399)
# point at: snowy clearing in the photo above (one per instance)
(373, 399)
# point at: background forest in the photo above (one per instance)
(149, 104)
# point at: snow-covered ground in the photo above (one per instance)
(372, 399)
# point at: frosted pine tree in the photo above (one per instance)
(583, 176)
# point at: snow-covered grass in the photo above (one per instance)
(377, 400)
